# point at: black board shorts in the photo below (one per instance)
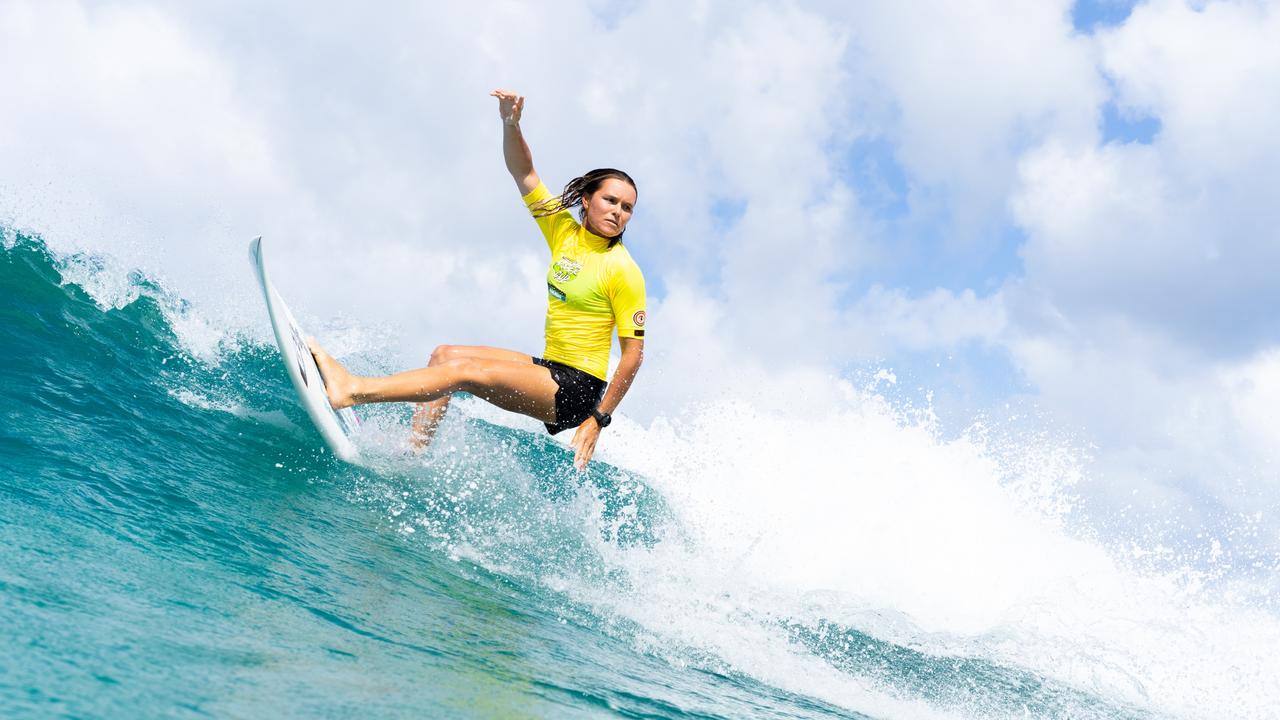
(577, 395)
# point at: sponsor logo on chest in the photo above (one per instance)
(565, 269)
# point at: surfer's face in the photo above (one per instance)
(608, 209)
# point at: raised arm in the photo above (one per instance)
(514, 149)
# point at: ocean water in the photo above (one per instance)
(175, 543)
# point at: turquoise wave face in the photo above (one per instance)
(177, 544)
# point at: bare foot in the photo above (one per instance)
(338, 383)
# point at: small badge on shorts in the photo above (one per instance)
(638, 318)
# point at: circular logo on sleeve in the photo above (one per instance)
(638, 318)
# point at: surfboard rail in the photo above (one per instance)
(335, 426)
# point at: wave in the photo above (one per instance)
(858, 559)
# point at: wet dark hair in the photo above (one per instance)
(577, 189)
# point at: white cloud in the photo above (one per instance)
(967, 87)
(1208, 71)
(118, 107)
(1176, 438)
(364, 147)
(1146, 314)
(1252, 390)
(1178, 234)
(375, 171)
(888, 320)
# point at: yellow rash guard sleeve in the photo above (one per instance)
(591, 289)
(556, 226)
(626, 296)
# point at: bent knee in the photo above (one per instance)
(443, 354)
(464, 372)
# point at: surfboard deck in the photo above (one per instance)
(335, 427)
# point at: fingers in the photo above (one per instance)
(582, 457)
(584, 445)
(507, 96)
(510, 105)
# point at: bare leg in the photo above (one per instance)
(428, 416)
(426, 419)
(515, 386)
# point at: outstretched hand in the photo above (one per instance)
(584, 443)
(510, 106)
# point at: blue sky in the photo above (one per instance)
(1090, 15)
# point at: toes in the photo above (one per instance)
(315, 348)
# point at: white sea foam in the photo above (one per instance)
(111, 285)
(206, 334)
(201, 402)
(868, 519)
(851, 511)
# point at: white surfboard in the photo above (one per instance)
(334, 426)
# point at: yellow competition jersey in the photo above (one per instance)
(591, 288)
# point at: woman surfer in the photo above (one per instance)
(593, 287)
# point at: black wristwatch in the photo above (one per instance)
(602, 418)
